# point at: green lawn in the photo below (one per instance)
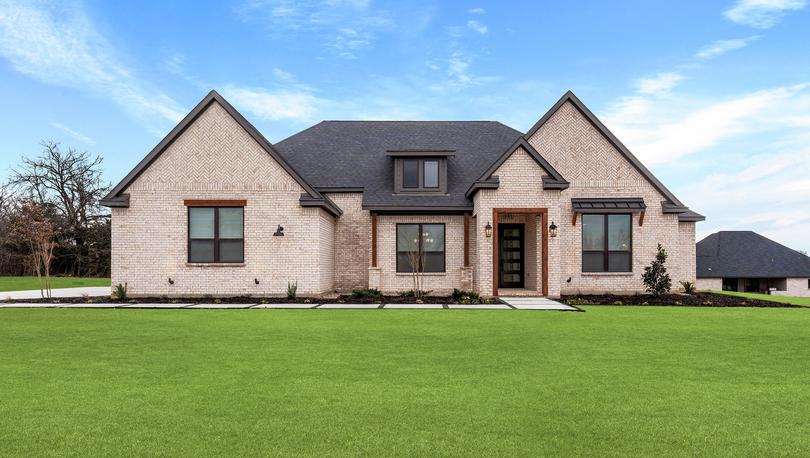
(614, 381)
(769, 297)
(25, 283)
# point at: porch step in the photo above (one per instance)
(535, 303)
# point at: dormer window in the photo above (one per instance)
(420, 171)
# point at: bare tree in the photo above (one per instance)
(34, 228)
(417, 259)
(69, 182)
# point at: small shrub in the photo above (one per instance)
(578, 301)
(368, 293)
(465, 297)
(688, 287)
(412, 293)
(120, 292)
(655, 276)
(292, 290)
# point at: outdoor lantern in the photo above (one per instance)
(279, 232)
(552, 230)
(488, 229)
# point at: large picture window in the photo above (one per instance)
(607, 243)
(216, 235)
(420, 247)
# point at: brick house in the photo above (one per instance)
(215, 209)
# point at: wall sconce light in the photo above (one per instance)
(279, 232)
(552, 230)
(171, 282)
(488, 229)
(256, 280)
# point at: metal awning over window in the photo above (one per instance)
(609, 205)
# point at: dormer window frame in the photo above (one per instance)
(400, 164)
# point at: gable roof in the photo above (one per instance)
(746, 254)
(116, 198)
(353, 155)
(632, 159)
(553, 181)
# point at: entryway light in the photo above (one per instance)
(552, 230)
(488, 229)
(279, 232)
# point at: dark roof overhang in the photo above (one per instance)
(418, 209)
(690, 217)
(609, 205)
(118, 201)
(492, 183)
(419, 153)
(323, 202)
(115, 195)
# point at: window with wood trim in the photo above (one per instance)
(216, 235)
(421, 175)
(420, 248)
(607, 243)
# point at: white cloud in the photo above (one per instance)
(60, 46)
(73, 133)
(721, 47)
(659, 84)
(476, 11)
(477, 26)
(283, 75)
(274, 105)
(762, 14)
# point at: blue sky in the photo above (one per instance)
(713, 96)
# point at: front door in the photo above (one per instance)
(510, 255)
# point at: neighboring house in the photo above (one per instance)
(748, 262)
(216, 209)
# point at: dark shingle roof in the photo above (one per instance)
(746, 254)
(351, 154)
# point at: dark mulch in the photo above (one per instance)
(693, 300)
(243, 300)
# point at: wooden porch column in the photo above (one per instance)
(373, 239)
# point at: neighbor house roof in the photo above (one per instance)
(746, 254)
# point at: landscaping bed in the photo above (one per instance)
(685, 300)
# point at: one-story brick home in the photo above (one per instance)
(748, 262)
(215, 209)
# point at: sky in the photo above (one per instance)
(713, 96)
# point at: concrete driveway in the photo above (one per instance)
(60, 292)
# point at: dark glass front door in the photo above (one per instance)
(510, 255)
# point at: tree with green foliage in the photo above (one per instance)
(655, 276)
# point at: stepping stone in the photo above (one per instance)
(284, 306)
(413, 306)
(155, 306)
(479, 306)
(220, 306)
(349, 306)
(90, 306)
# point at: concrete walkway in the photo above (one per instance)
(56, 293)
(536, 303)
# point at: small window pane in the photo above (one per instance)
(201, 251)
(593, 262)
(431, 174)
(201, 223)
(619, 261)
(231, 250)
(433, 262)
(410, 173)
(404, 262)
(407, 237)
(619, 228)
(593, 232)
(230, 223)
(433, 237)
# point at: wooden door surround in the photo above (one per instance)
(496, 214)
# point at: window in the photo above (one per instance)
(606, 243)
(421, 175)
(216, 235)
(420, 246)
(808, 283)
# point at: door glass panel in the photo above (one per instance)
(593, 232)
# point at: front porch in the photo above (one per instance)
(519, 252)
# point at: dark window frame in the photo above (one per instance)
(399, 172)
(605, 251)
(419, 248)
(216, 238)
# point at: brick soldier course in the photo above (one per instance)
(333, 190)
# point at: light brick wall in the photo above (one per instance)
(709, 284)
(352, 242)
(795, 287)
(391, 281)
(594, 168)
(216, 159)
